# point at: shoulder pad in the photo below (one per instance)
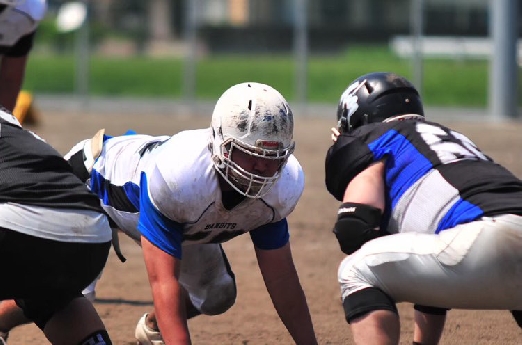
(184, 189)
(344, 160)
(285, 194)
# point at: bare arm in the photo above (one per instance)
(163, 271)
(282, 283)
(12, 72)
(368, 187)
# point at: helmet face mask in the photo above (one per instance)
(376, 97)
(256, 120)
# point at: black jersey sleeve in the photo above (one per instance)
(346, 158)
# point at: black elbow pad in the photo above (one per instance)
(357, 224)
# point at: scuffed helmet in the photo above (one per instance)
(256, 119)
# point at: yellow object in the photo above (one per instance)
(24, 109)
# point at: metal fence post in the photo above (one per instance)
(503, 73)
(301, 50)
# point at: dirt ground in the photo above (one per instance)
(124, 295)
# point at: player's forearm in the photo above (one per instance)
(12, 71)
(170, 314)
(8, 96)
(290, 302)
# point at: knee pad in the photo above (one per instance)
(221, 298)
(367, 300)
(517, 315)
(430, 310)
(100, 337)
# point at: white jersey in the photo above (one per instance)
(166, 189)
(20, 20)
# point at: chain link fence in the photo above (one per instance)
(190, 30)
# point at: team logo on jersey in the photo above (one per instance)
(226, 226)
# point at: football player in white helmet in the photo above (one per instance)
(247, 127)
(181, 196)
(19, 20)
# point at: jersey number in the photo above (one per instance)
(450, 146)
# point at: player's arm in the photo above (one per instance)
(12, 72)
(359, 216)
(282, 283)
(276, 264)
(161, 239)
(169, 306)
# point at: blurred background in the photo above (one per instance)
(190, 51)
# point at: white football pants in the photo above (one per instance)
(205, 276)
(477, 265)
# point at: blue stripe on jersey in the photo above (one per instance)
(122, 198)
(271, 235)
(132, 191)
(161, 231)
(461, 212)
(409, 165)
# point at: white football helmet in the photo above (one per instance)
(256, 119)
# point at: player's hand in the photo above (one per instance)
(335, 134)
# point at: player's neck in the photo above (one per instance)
(229, 196)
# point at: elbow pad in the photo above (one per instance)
(357, 224)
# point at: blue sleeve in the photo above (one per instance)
(161, 231)
(271, 235)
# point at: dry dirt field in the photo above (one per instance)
(124, 294)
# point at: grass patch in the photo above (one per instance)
(446, 82)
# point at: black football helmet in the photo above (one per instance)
(375, 97)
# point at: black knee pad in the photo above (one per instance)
(40, 311)
(430, 310)
(517, 315)
(100, 337)
(365, 301)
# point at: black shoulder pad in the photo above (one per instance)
(346, 158)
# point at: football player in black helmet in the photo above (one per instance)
(375, 97)
(412, 222)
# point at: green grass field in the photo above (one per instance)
(446, 82)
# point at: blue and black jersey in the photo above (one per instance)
(34, 173)
(436, 178)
